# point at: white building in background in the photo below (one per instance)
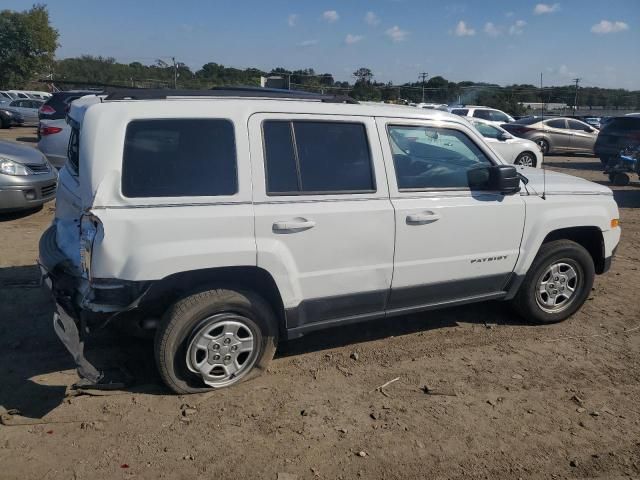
(547, 106)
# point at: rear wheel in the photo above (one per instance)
(557, 283)
(544, 145)
(5, 122)
(526, 159)
(215, 339)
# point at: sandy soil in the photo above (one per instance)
(507, 400)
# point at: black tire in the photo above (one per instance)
(184, 319)
(521, 159)
(526, 302)
(544, 145)
(620, 179)
(5, 122)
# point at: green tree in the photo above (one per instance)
(27, 45)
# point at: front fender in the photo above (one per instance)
(565, 211)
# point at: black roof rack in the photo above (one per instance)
(248, 92)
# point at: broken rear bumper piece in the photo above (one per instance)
(95, 302)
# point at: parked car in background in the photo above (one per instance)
(555, 135)
(53, 130)
(27, 108)
(5, 97)
(518, 151)
(27, 180)
(53, 140)
(593, 121)
(617, 134)
(498, 117)
(10, 118)
(57, 105)
(16, 94)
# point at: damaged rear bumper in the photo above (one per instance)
(98, 299)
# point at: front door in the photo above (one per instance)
(559, 134)
(583, 136)
(452, 244)
(323, 219)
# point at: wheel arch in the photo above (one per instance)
(589, 237)
(252, 278)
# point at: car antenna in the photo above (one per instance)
(544, 168)
(544, 179)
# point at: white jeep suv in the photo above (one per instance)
(493, 115)
(228, 221)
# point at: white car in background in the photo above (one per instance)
(493, 115)
(518, 151)
(53, 140)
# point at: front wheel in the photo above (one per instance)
(215, 339)
(557, 283)
(544, 145)
(526, 159)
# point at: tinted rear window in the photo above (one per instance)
(317, 157)
(179, 158)
(460, 111)
(623, 124)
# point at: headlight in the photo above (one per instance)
(9, 167)
(89, 225)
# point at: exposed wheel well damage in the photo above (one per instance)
(589, 237)
(257, 280)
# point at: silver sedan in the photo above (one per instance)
(555, 135)
(27, 108)
(27, 179)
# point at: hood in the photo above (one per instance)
(560, 183)
(21, 153)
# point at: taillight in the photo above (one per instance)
(45, 130)
(89, 227)
(47, 110)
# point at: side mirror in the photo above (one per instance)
(495, 178)
(503, 136)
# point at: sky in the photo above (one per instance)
(497, 41)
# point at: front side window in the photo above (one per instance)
(179, 158)
(305, 157)
(487, 131)
(576, 125)
(557, 124)
(497, 116)
(433, 157)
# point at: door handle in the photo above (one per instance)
(423, 218)
(293, 226)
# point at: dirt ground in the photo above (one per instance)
(508, 400)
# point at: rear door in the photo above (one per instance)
(452, 244)
(583, 136)
(323, 219)
(558, 133)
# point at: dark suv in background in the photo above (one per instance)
(616, 134)
(58, 104)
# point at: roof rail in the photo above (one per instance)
(248, 92)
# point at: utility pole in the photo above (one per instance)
(424, 76)
(175, 73)
(575, 100)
